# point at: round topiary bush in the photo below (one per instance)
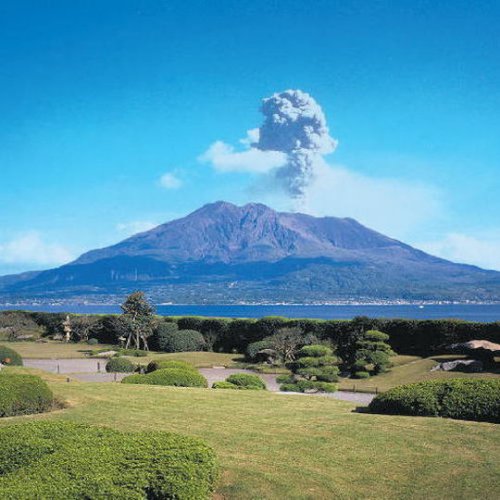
(92, 341)
(224, 385)
(23, 394)
(182, 341)
(10, 357)
(466, 399)
(246, 381)
(120, 365)
(361, 374)
(169, 376)
(63, 460)
(161, 365)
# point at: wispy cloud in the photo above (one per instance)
(483, 250)
(170, 180)
(31, 248)
(135, 226)
(224, 158)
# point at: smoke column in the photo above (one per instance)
(295, 124)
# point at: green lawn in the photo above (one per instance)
(53, 349)
(198, 359)
(302, 447)
(409, 369)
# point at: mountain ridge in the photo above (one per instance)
(227, 253)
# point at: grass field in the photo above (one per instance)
(300, 447)
(406, 370)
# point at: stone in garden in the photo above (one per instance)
(460, 365)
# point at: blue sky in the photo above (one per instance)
(101, 100)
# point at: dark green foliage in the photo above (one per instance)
(136, 353)
(92, 341)
(120, 365)
(23, 394)
(370, 354)
(62, 460)
(314, 370)
(138, 316)
(224, 385)
(246, 380)
(10, 357)
(161, 365)
(18, 325)
(162, 334)
(172, 340)
(285, 379)
(253, 350)
(467, 399)
(179, 377)
(361, 374)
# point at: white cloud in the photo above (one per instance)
(31, 248)
(482, 251)
(135, 226)
(392, 206)
(170, 180)
(224, 158)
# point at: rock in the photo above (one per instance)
(460, 365)
(106, 354)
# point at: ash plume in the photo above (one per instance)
(295, 125)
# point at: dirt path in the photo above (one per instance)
(94, 370)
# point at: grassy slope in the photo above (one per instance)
(409, 369)
(282, 446)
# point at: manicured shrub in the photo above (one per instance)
(10, 357)
(224, 385)
(169, 339)
(169, 376)
(314, 370)
(253, 350)
(92, 341)
(62, 460)
(246, 380)
(361, 374)
(120, 365)
(161, 365)
(23, 394)
(467, 399)
(284, 379)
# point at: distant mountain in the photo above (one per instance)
(223, 253)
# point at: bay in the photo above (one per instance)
(469, 312)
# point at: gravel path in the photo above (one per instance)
(93, 370)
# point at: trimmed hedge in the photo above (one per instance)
(169, 376)
(465, 399)
(10, 357)
(246, 380)
(63, 460)
(161, 365)
(120, 365)
(22, 394)
(169, 339)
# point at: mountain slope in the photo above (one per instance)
(225, 253)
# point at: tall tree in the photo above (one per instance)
(138, 314)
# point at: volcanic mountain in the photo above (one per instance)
(223, 253)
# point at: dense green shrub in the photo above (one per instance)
(169, 339)
(62, 460)
(120, 365)
(246, 380)
(224, 385)
(314, 370)
(169, 376)
(92, 341)
(136, 353)
(22, 394)
(467, 399)
(10, 357)
(161, 365)
(361, 374)
(253, 350)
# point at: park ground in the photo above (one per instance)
(275, 446)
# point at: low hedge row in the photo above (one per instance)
(10, 357)
(465, 399)
(120, 365)
(161, 365)
(62, 460)
(242, 381)
(23, 394)
(169, 376)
